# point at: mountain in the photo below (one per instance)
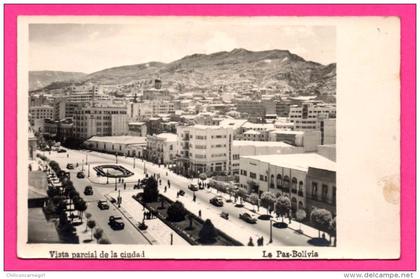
(237, 70)
(40, 79)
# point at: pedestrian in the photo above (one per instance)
(199, 213)
(262, 240)
(194, 197)
(323, 235)
(164, 189)
(177, 194)
(125, 185)
(160, 182)
(250, 243)
(67, 155)
(169, 184)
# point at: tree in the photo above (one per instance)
(283, 206)
(87, 215)
(151, 192)
(91, 224)
(254, 200)
(176, 212)
(80, 205)
(242, 193)
(208, 232)
(53, 191)
(267, 200)
(202, 176)
(98, 234)
(300, 216)
(333, 230)
(321, 219)
(252, 185)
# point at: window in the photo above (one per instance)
(235, 157)
(314, 190)
(245, 172)
(261, 177)
(252, 175)
(324, 192)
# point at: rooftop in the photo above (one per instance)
(168, 136)
(233, 123)
(301, 161)
(288, 132)
(260, 143)
(119, 139)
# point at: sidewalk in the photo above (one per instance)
(157, 232)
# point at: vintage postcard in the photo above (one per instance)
(182, 137)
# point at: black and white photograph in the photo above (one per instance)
(186, 132)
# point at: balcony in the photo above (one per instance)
(294, 191)
(300, 193)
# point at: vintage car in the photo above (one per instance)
(80, 174)
(217, 201)
(248, 218)
(103, 205)
(88, 190)
(116, 223)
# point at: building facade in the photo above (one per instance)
(161, 148)
(291, 175)
(204, 149)
(100, 121)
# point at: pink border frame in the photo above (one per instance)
(407, 14)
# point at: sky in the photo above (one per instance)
(92, 47)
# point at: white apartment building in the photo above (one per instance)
(106, 120)
(242, 148)
(161, 148)
(309, 140)
(204, 149)
(40, 112)
(287, 174)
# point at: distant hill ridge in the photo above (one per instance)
(236, 69)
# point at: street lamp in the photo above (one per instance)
(88, 170)
(86, 158)
(83, 165)
(116, 158)
(115, 184)
(271, 231)
(134, 162)
(107, 176)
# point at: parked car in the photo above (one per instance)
(80, 174)
(116, 223)
(224, 215)
(70, 166)
(61, 151)
(217, 201)
(88, 190)
(193, 187)
(103, 205)
(248, 218)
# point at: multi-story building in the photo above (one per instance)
(251, 107)
(321, 189)
(147, 109)
(137, 129)
(309, 140)
(242, 148)
(292, 175)
(161, 148)
(282, 108)
(105, 120)
(308, 117)
(58, 129)
(40, 112)
(204, 149)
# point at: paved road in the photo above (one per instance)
(129, 235)
(286, 237)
